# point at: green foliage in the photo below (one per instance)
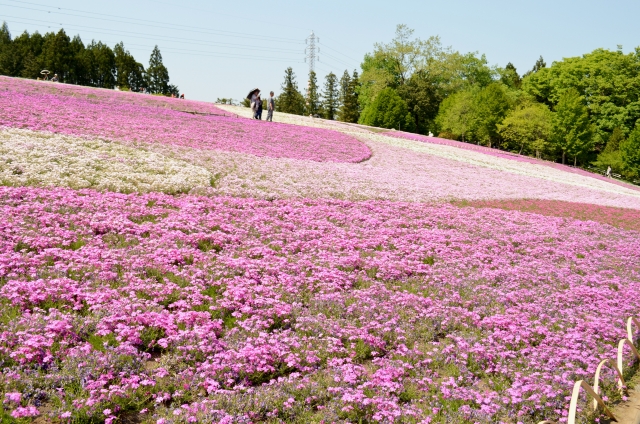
(95, 65)
(609, 79)
(489, 109)
(527, 129)
(129, 72)
(572, 130)
(630, 150)
(100, 65)
(330, 96)
(350, 108)
(158, 75)
(423, 98)
(206, 245)
(313, 104)
(509, 76)
(615, 140)
(290, 100)
(456, 114)
(388, 110)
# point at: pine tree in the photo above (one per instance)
(345, 81)
(6, 51)
(129, 73)
(313, 97)
(350, 109)
(57, 53)
(510, 76)
(330, 96)
(290, 100)
(157, 74)
(540, 63)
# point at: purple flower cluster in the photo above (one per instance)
(137, 118)
(196, 309)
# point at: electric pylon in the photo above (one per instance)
(311, 51)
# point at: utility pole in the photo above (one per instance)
(311, 51)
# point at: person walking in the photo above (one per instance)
(271, 105)
(259, 108)
(609, 171)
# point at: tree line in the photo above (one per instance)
(95, 64)
(580, 110)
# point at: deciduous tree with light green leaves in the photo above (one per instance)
(609, 79)
(388, 110)
(456, 114)
(527, 129)
(572, 129)
(490, 107)
(611, 155)
(630, 149)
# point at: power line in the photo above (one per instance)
(153, 24)
(204, 53)
(160, 37)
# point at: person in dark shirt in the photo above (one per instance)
(258, 108)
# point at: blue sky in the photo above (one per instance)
(222, 49)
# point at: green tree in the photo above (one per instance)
(313, 104)
(101, 65)
(350, 108)
(540, 63)
(157, 74)
(527, 129)
(6, 51)
(456, 114)
(491, 105)
(572, 130)
(388, 110)
(615, 140)
(330, 96)
(611, 155)
(392, 64)
(423, 98)
(610, 80)
(290, 99)
(630, 150)
(57, 54)
(509, 76)
(129, 72)
(28, 55)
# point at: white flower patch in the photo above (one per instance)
(45, 159)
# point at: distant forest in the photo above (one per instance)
(582, 111)
(94, 64)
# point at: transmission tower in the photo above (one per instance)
(311, 51)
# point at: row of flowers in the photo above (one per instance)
(405, 169)
(46, 159)
(99, 116)
(194, 309)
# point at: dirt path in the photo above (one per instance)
(629, 412)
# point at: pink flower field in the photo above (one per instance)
(319, 309)
(503, 154)
(139, 121)
(299, 284)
